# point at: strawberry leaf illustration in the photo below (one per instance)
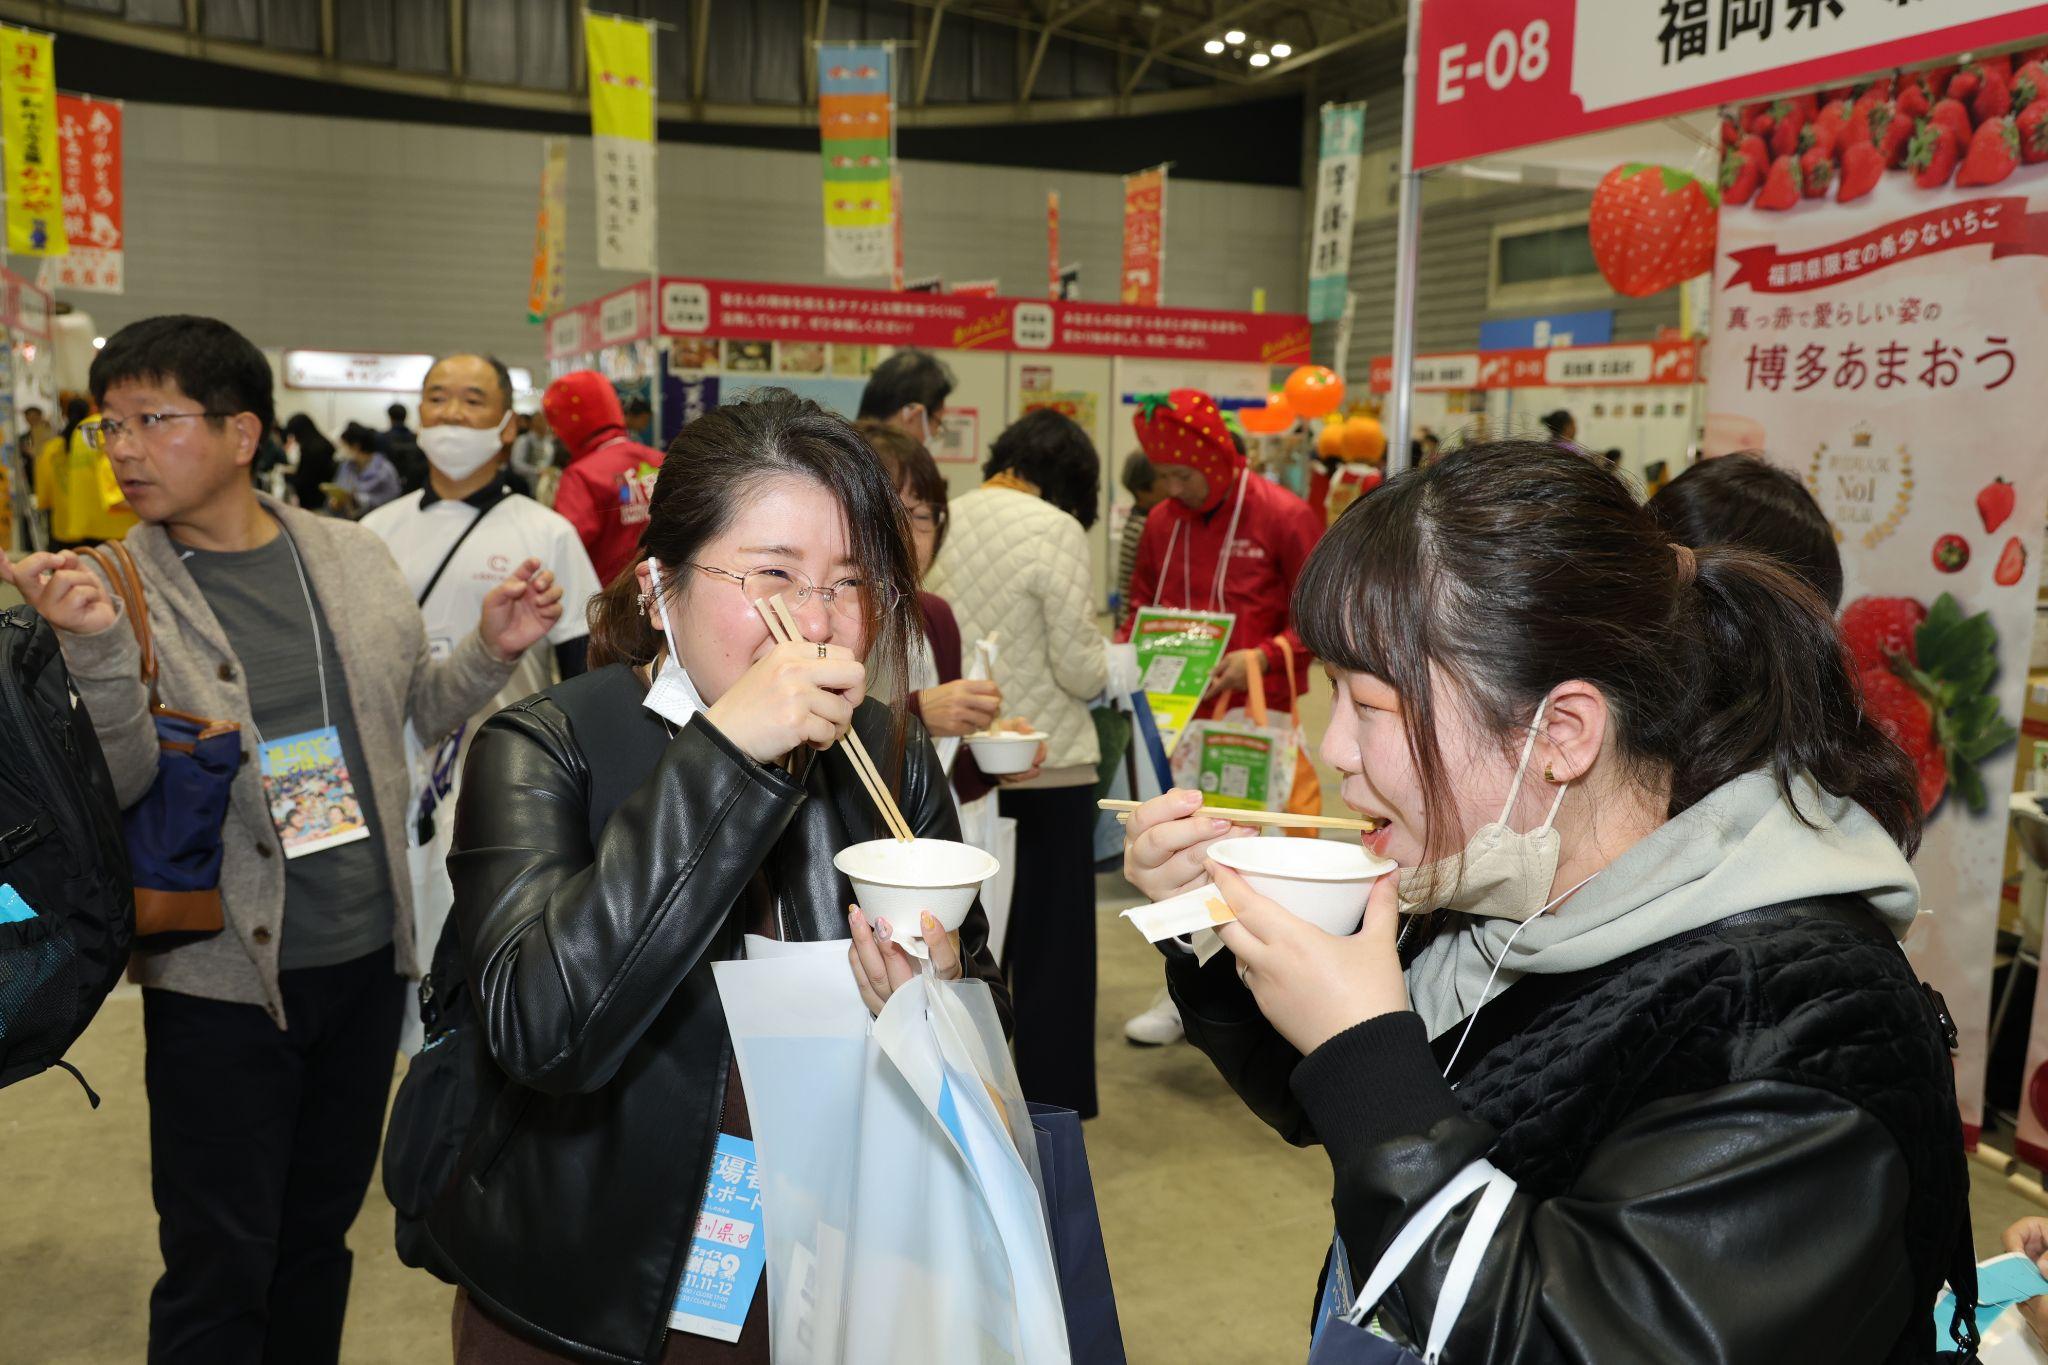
(1957, 661)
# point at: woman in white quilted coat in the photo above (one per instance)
(1015, 561)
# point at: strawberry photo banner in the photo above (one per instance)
(1878, 330)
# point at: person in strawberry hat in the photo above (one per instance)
(604, 490)
(1212, 497)
(1213, 500)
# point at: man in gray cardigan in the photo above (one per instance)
(270, 1044)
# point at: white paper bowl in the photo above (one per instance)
(1324, 881)
(901, 882)
(1009, 752)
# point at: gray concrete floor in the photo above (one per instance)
(1215, 1228)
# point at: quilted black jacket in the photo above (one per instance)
(594, 891)
(1740, 1146)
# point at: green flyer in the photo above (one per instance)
(1238, 763)
(1177, 655)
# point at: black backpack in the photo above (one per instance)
(437, 1098)
(64, 941)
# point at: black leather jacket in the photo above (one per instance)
(1739, 1146)
(593, 889)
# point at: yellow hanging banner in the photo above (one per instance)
(28, 127)
(620, 54)
(621, 57)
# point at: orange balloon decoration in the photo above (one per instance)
(1274, 418)
(1329, 441)
(1362, 439)
(1315, 391)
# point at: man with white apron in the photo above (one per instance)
(1222, 539)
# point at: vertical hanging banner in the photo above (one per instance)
(857, 141)
(89, 143)
(1329, 259)
(28, 128)
(1145, 237)
(1052, 244)
(620, 55)
(550, 232)
(1886, 343)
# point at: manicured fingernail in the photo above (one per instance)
(931, 925)
(1218, 826)
(855, 917)
(882, 929)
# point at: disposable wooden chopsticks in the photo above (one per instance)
(782, 625)
(1284, 819)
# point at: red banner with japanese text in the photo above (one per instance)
(743, 310)
(1887, 343)
(89, 145)
(1492, 75)
(1144, 281)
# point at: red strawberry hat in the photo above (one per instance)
(1186, 428)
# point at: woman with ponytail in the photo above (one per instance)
(1636, 989)
(624, 830)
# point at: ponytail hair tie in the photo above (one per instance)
(1688, 564)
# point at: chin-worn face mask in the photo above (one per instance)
(1503, 875)
(672, 696)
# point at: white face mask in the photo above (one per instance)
(1505, 875)
(459, 451)
(673, 696)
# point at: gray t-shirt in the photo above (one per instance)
(337, 902)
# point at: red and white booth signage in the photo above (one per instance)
(1620, 365)
(741, 310)
(1493, 75)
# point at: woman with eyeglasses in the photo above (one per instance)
(622, 831)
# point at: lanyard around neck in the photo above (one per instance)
(1187, 572)
(313, 620)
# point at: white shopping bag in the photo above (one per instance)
(902, 1220)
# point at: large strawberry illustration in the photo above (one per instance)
(1880, 629)
(1934, 697)
(1652, 227)
(1933, 158)
(1995, 503)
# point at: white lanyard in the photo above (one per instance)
(312, 619)
(1187, 571)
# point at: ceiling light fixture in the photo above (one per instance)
(1214, 47)
(1283, 50)
(1234, 36)
(1260, 59)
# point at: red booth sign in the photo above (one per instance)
(1498, 74)
(740, 310)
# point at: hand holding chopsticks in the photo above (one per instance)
(1283, 819)
(782, 625)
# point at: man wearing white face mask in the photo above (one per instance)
(451, 539)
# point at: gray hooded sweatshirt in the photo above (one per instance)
(1739, 849)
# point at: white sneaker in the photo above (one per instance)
(1158, 1025)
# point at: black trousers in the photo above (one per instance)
(262, 1141)
(1049, 957)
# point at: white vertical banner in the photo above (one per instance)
(1329, 257)
(619, 54)
(1888, 345)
